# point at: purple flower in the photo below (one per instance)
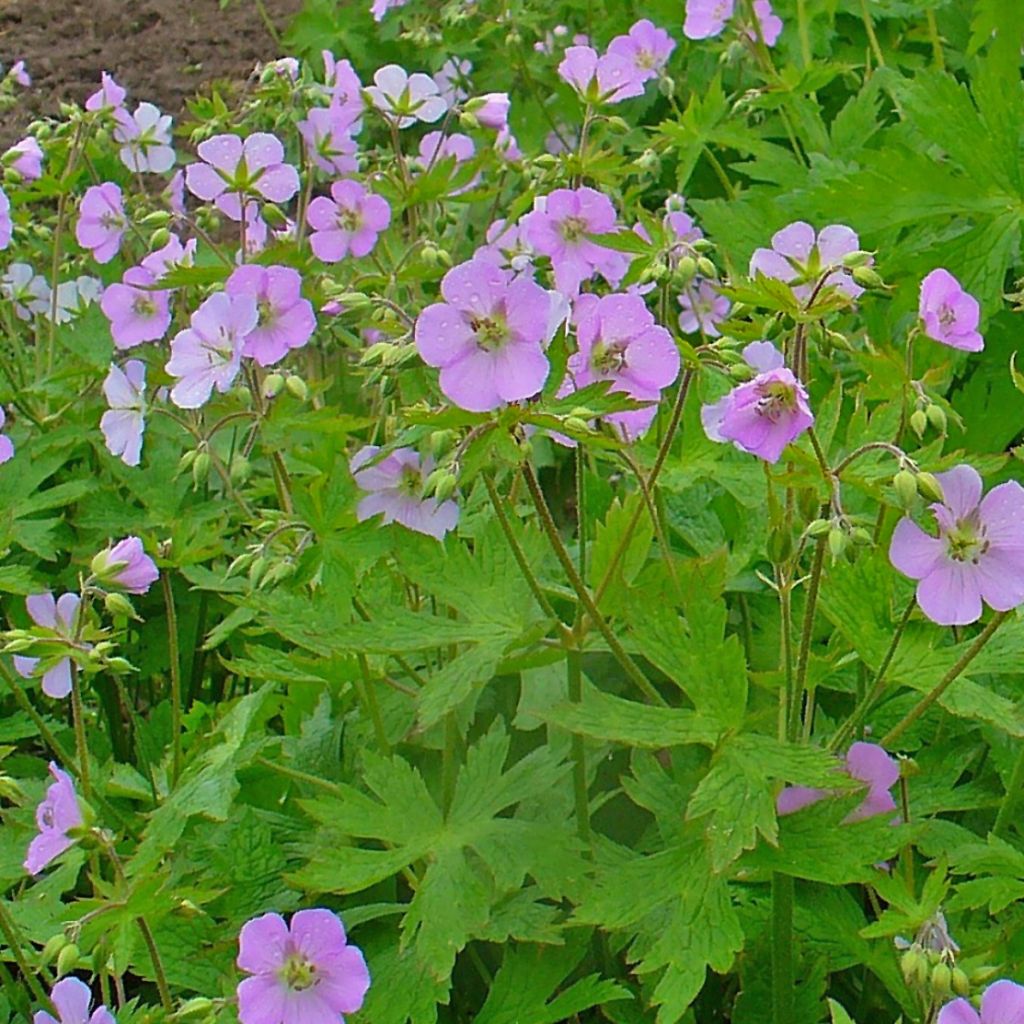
(6, 444)
(125, 566)
(303, 972)
(977, 556)
(286, 319)
(1002, 1003)
(145, 139)
(109, 96)
(101, 221)
(619, 341)
(607, 79)
(765, 414)
(174, 194)
(703, 308)
(707, 18)
(162, 261)
(28, 291)
(208, 354)
(798, 256)
(72, 1000)
(343, 86)
(435, 146)
(404, 98)
(347, 223)
(124, 422)
(395, 486)
(452, 80)
(136, 311)
(865, 762)
(327, 132)
(768, 21)
(255, 166)
(507, 146)
(949, 314)
(646, 47)
(487, 336)
(491, 110)
(378, 9)
(19, 74)
(557, 227)
(27, 159)
(58, 616)
(506, 247)
(6, 224)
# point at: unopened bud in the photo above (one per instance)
(53, 946)
(905, 485)
(685, 272)
(156, 219)
(185, 462)
(468, 120)
(446, 486)
(159, 238)
(861, 536)
(577, 424)
(194, 1008)
(119, 605)
(911, 963)
(241, 469)
(440, 442)
(657, 272)
(818, 528)
(919, 422)
(296, 387)
(272, 385)
(942, 980)
(706, 267)
(837, 541)
(867, 278)
(930, 487)
(961, 983)
(201, 468)
(120, 666)
(741, 372)
(666, 86)
(274, 216)
(984, 973)
(67, 959)
(936, 417)
(354, 300)
(780, 545)
(21, 644)
(857, 258)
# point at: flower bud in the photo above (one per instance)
(867, 278)
(21, 644)
(911, 963)
(185, 462)
(919, 422)
(930, 487)
(54, 944)
(12, 177)
(440, 442)
(67, 959)
(703, 246)
(201, 468)
(272, 385)
(685, 272)
(905, 485)
(577, 424)
(741, 372)
(354, 300)
(649, 161)
(119, 606)
(297, 387)
(194, 1008)
(467, 119)
(961, 983)
(241, 469)
(706, 267)
(666, 86)
(446, 486)
(942, 980)
(159, 238)
(120, 666)
(837, 541)
(984, 973)
(936, 417)
(274, 216)
(818, 528)
(857, 258)
(156, 219)
(862, 536)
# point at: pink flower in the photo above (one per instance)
(208, 354)
(124, 422)
(487, 336)
(20, 74)
(865, 762)
(6, 224)
(286, 319)
(174, 194)
(169, 257)
(646, 47)
(343, 87)
(72, 1000)
(619, 341)
(348, 223)
(707, 18)
(703, 308)
(145, 139)
(378, 9)
(404, 98)
(306, 972)
(452, 80)
(109, 96)
(327, 132)
(253, 167)
(949, 314)
(491, 110)
(507, 146)
(978, 554)
(434, 146)
(557, 227)
(768, 21)
(608, 79)
(798, 256)
(1002, 1003)
(58, 616)
(6, 444)
(395, 486)
(28, 158)
(765, 414)
(55, 816)
(505, 247)
(101, 221)
(136, 311)
(125, 566)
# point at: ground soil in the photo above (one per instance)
(162, 51)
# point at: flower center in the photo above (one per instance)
(777, 399)
(47, 816)
(608, 358)
(572, 228)
(143, 306)
(491, 332)
(298, 973)
(111, 221)
(964, 543)
(409, 482)
(348, 219)
(267, 313)
(947, 317)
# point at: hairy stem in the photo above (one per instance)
(175, 658)
(783, 974)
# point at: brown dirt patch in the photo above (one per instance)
(162, 51)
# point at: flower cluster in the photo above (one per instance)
(707, 18)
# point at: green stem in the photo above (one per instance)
(369, 700)
(449, 763)
(581, 515)
(1008, 807)
(810, 610)
(621, 655)
(175, 657)
(786, 724)
(950, 677)
(802, 29)
(933, 35)
(14, 942)
(783, 974)
(579, 755)
(81, 744)
(869, 27)
(158, 966)
(299, 776)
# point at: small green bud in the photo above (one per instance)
(905, 485)
(159, 238)
(857, 258)
(241, 469)
(706, 267)
(468, 120)
(942, 980)
(120, 666)
(577, 424)
(862, 536)
(837, 542)
(911, 963)
(243, 561)
(185, 462)
(984, 973)
(741, 372)
(936, 417)
(919, 422)
(119, 605)
(194, 1008)
(201, 468)
(583, 411)
(21, 644)
(818, 528)
(429, 254)
(867, 278)
(11, 176)
(930, 487)
(67, 959)
(297, 387)
(666, 86)
(272, 385)
(274, 216)
(440, 442)
(685, 272)
(657, 272)
(54, 944)
(156, 219)
(649, 161)
(257, 569)
(354, 300)
(961, 983)
(446, 486)
(703, 246)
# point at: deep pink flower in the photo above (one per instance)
(101, 221)
(404, 98)
(6, 444)
(949, 314)
(765, 414)
(208, 354)
(73, 1000)
(232, 168)
(109, 96)
(6, 224)
(125, 566)
(145, 139)
(619, 341)
(707, 18)
(646, 47)
(610, 78)
(306, 972)
(395, 486)
(327, 132)
(557, 227)
(865, 762)
(487, 336)
(348, 223)
(27, 159)
(798, 256)
(286, 319)
(452, 80)
(55, 816)
(977, 556)
(58, 616)
(703, 308)
(124, 422)
(1002, 1003)
(136, 311)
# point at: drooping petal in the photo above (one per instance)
(1002, 516)
(56, 682)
